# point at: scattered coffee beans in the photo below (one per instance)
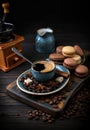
(77, 107)
(30, 83)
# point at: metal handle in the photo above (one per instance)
(19, 54)
(6, 10)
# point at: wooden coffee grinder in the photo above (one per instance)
(8, 59)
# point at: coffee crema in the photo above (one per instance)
(44, 66)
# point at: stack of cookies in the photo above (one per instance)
(70, 57)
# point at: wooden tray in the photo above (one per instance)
(52, 104)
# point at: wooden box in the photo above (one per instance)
(8, 59)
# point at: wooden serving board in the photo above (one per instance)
(52, 104)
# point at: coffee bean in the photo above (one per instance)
(39, 87)
(77, 107)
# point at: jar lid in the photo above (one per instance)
(43, 31)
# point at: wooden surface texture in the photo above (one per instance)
(13, 113)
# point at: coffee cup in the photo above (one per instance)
(43, 70)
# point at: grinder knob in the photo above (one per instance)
(6, 6)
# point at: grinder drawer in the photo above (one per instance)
(13, 59)
(8, 51)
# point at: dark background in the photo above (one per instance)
(62, 16)
(47, 12)
(59, 11)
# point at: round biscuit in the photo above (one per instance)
(70, 63)
(78, 50)
(68, 51)
(81, 71)
(77, 58)
(67, 55)
(59, 49)
(56, 57)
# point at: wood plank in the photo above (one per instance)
(71, 88)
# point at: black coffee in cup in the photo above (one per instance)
(39, 67)
(44, 66)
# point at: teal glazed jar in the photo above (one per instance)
(45, 40)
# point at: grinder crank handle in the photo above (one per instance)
(5, 7)
(6, 10)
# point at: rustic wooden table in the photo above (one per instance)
(13, 114)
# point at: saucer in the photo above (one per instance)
(57, 88)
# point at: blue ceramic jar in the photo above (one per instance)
(45, 40)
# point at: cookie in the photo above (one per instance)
(56, 57)
(68, 51)
(78, 50)
(81, 71)
(77, 58)
(59, 49)
(70, 63)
